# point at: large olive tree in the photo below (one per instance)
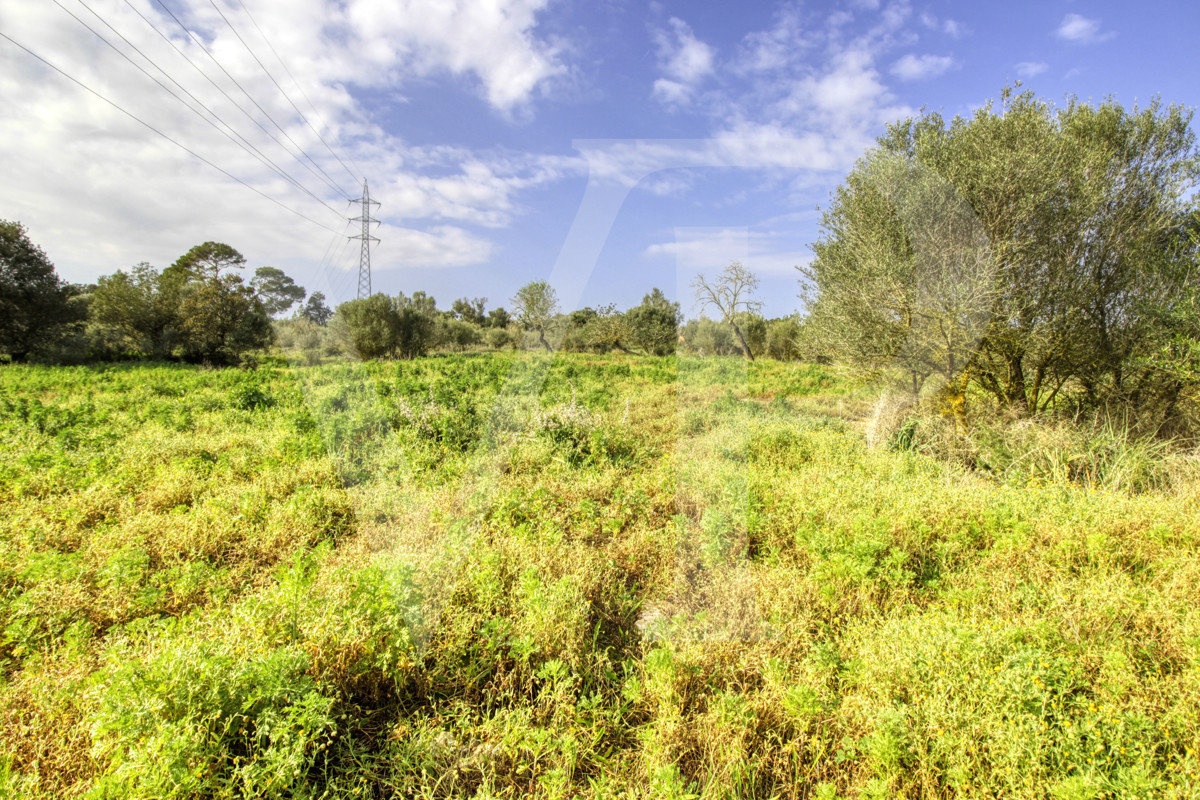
(1021, 249)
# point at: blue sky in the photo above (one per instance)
(607, 146)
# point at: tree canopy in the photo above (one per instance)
(534, 305)
(315, 309)
(276, 290)
(208, 260)
(36, 306)
(1021, 249)
(189, 310)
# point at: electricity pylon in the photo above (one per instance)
(364, 259)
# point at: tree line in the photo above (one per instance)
(201, 309)
(410, 326)
(198, 309)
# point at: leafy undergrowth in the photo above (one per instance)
(583, 576)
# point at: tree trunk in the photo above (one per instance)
(1015, 394)
(542, 339)
(741, 340)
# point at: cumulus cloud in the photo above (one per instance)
(1077, 28)
(493, 41)
(684, 60)
(1030, 69)
(919, 68)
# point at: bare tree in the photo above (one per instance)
(730, 293)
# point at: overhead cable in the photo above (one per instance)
(249, 148)
(257, 105)
(272, 77)
(145, 124)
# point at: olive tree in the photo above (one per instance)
(1063, 212)
(534, 305)
(655, 323)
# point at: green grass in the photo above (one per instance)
(574, 576)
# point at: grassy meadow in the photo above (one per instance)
(517, 575)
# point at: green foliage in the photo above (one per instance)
(315, 309)
(654, 324)
(534, 305)
(783, 339)
(36, 308)
(276, 291)
(189, 310)
(220, 319)
(379, 326)
(373, 324)
(470, 311)
(1029, 251)
(206, 261)
(140, 309)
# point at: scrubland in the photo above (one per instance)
(577, 576)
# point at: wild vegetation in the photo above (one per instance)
(573, 575)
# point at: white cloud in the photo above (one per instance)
(1077, 28)
(850, 87)
(1030, 69)
(784, 109)
(702, 249)
(493, 41)
(780, 46)
(919, 68)
(101, 191)
(684, 60)
(672, 92)
(896, 14)
(950, 27)
(440, 246)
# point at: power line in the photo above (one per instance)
(226, 94)
(300, 88)
(141, 121)
(277, 86)
(249, 96)
(249, 148)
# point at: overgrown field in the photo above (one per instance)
(572, 576)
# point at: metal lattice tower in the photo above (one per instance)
(364, 259)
